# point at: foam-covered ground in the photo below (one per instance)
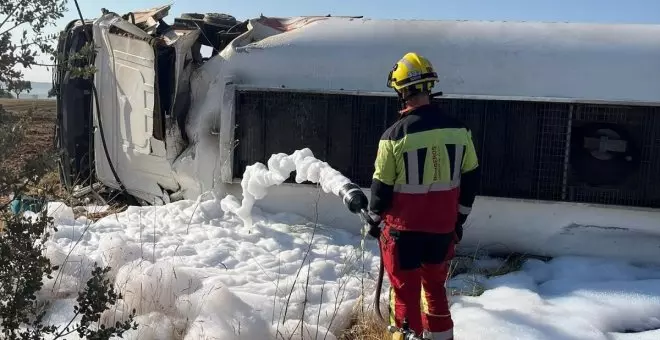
(190, 269)
(213, 277)
(565, 298)
(220, 268)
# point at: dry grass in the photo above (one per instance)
(366, 327)
(114, 208)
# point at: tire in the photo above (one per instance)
(220, 19)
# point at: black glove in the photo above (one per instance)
(374, 231)
(373, 221)
(460, 220)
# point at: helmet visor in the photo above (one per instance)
(389, 79)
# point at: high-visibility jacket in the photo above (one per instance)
(425, 172)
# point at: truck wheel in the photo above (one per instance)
(220, 19)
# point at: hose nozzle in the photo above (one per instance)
(356, 201)
(354, 198)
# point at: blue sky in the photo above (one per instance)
(602, 11)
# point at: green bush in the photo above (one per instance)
(23, 265)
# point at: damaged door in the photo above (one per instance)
(126, 79)
(134, 67)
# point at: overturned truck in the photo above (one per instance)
(565, 117)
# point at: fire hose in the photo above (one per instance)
(356, 202)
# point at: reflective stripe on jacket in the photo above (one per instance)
(425, 172)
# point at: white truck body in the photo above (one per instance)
(549, 62)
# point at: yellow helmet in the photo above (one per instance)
(411, 75)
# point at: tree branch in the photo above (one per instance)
(40, 64)
(27, 44)
(8, 30)
(60, 334)
(9, 16)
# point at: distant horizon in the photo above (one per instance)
(39, 89)
(35, 81)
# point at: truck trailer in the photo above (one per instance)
(565, 116)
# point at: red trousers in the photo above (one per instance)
(417, 264)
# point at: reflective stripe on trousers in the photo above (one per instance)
(446, 335)
(409, 298)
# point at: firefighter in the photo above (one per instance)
(423, 187)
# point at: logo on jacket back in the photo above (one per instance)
(434, 158)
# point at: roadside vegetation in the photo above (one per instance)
(28, 179)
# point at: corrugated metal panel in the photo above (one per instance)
(524, 147)
(520, 145)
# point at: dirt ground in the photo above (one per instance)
(39, 134)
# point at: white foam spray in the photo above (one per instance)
(257, 179)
